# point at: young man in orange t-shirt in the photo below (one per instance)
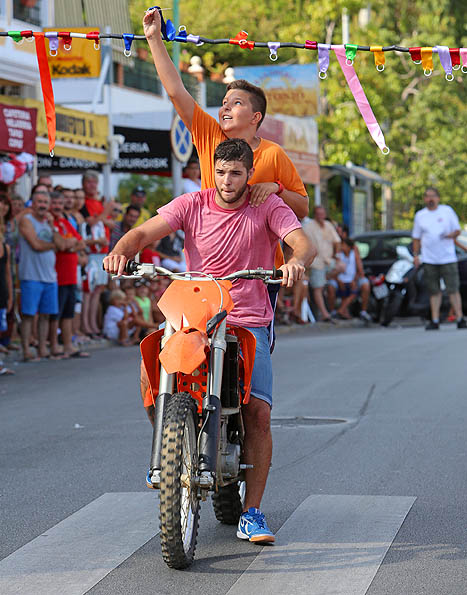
(243, 109)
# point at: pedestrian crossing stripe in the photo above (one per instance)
(329, 545)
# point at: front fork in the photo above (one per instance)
(209, 436)
(210, 432)
(166, 386)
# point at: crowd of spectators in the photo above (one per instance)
(55, 297)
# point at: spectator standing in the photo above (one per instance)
(69, 206)
(96, 215)
(38, 278)
(325, 238)
(130, 217)
(45, 180)
(435, 230)
(191, 176)
(6, 281)
(137, 199)
(170, 249)
(66, 265)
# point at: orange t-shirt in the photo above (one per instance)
(270, 161)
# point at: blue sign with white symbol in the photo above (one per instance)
(180, 139)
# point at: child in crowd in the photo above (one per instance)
(116, 318)
(144, 302)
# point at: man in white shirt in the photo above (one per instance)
(435, 229)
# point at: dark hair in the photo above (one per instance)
(349, 242)
(4, 198)
(36, 186)
(132, 208)
(257, 97)
(234, 149)
(432, 189)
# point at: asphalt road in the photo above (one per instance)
(367, 493)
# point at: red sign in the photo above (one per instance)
(17, 129)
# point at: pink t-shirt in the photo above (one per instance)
(221, 241)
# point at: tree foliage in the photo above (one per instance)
(424, 119)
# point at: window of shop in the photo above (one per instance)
(29, 11)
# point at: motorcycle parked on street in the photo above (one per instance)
(199, 371)
(405, 286)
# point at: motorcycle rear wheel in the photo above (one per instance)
(228, 502)
(179, 503)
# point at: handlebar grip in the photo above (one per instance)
(277, 274)
(131, 267)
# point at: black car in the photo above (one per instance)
(378, 252)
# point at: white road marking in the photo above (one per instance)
(74, 555)
(331, 545)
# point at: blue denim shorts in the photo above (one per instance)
(37, 296)
(261, 379)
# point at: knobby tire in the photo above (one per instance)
(179, 504)
(227, 504)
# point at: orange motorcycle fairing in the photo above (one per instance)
(190, 304)
(150, 348)
(184, 351)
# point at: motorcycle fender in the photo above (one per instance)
(150, 347)
(184, 351)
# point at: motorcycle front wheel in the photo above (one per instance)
(179, 503)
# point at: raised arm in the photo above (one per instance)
(170, 78)
(303, 254)
(134, 241)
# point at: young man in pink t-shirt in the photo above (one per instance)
(225, 233)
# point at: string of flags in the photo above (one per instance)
(451, 59)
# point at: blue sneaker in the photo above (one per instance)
(252, 526)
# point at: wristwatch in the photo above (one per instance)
(281, 187)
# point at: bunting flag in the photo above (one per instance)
(451, 59)
(47, 90)
(361, 100)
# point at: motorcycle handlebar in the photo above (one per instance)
(134, 269)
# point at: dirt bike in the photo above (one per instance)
(199, 371)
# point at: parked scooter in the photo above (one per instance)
(407, 292)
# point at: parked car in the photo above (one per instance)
(378, 250)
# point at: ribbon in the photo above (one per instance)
(181, 35)
(380, 59)
(455, 58)
(128, 40)
(463, 54)
(15, 36)
(427, 60)
(28, 35)
(445, 59)
(360, 99)
(167, 28)
(416, 55)
(323, 59)
(350, 52)
(47, 90)
(273, 47)
(194, 39)
(95, 36)
(311, 45)
(240, 40)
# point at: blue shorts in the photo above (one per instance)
(38, 297)
(261, 379)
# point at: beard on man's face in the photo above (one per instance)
(235, 197)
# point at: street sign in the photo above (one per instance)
(180, 139)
